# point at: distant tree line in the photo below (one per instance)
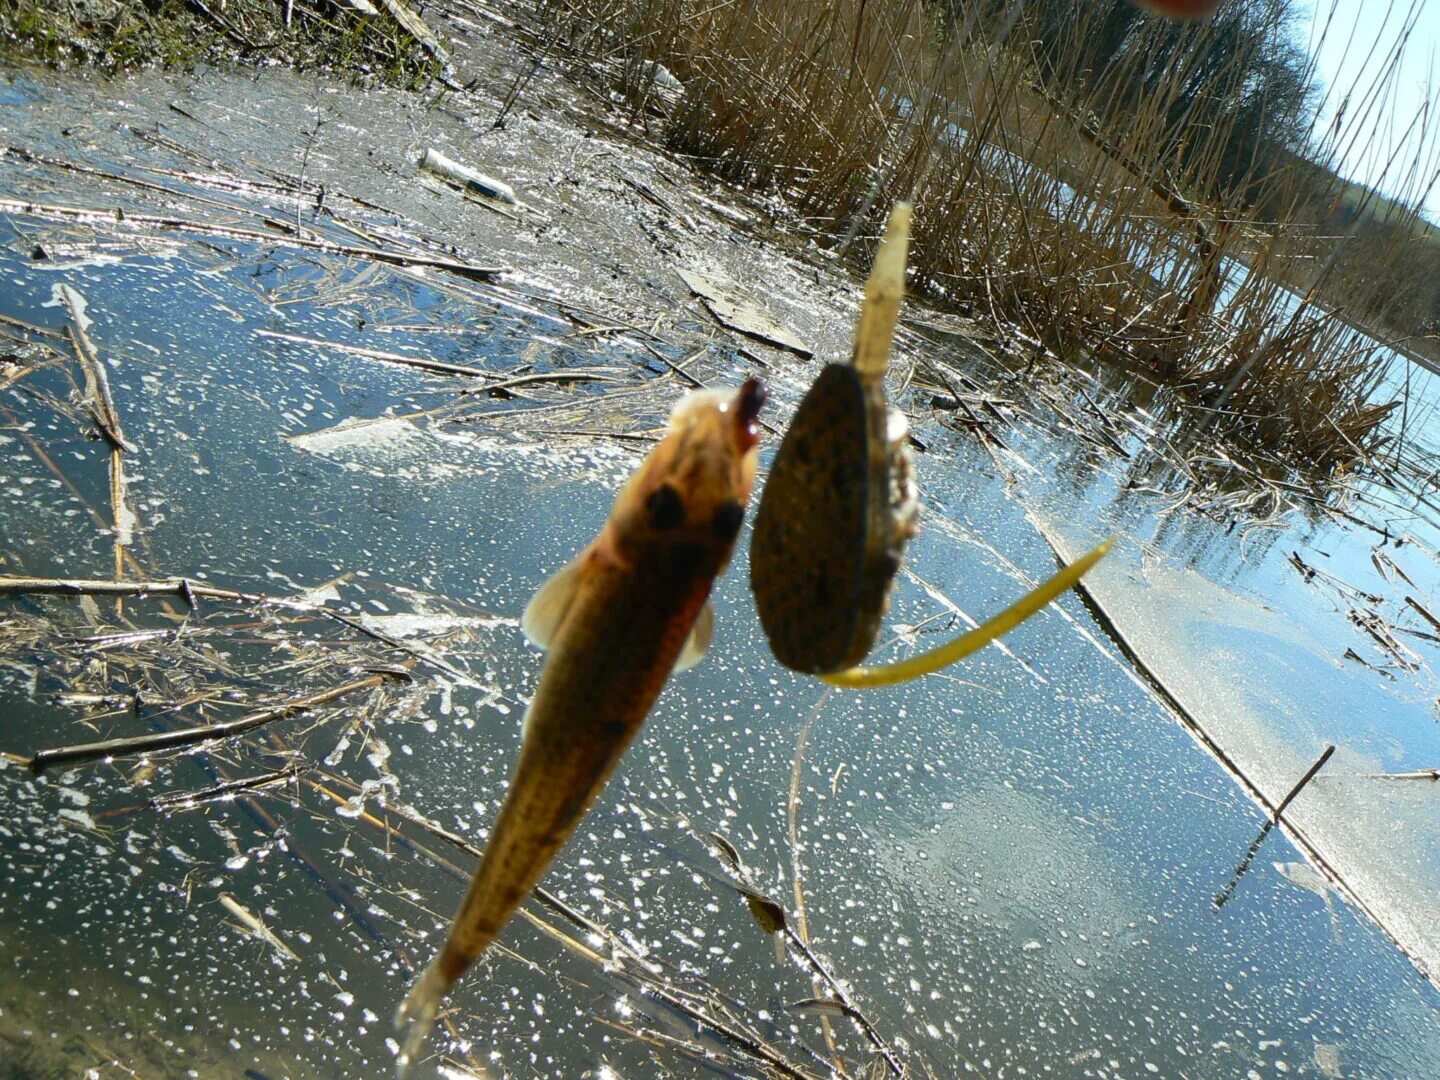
(1231, 103)
(1236, 93)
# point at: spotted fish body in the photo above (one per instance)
(840, 503)
(838, 509)
(624, 613)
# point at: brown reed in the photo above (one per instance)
(1092, 209)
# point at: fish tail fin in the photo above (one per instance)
(416, 1014)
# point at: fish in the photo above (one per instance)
(840, 502)
(630, 608)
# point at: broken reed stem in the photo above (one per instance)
(585, 433)
(416, 27)
(99, 401)
(649, 982)
(405, 813)
(847, 1004)
(1300, 784)
(19, 586)
(792, 807)
(254, 236)
(169, 740)
(1431, 619)
(821, 978)
(1417, 774)
(343, 898)
(1223, 896)
(189, 590)
(134, 700)
(884, 289)
(189, 799)
(440, 367)
(121, 513)
(46, 460)
(231, 31)
(539, 377)
(740, 880)
(26, 371)
(171, 192)
(30, 328)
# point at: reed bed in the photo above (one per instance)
(1125, 211)
(370, 42)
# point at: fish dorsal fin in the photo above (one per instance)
(547, 608)
(698, 643)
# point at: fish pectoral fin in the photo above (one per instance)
(547, 608)
(698, 643)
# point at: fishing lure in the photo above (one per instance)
(840, 504)
(626, 611)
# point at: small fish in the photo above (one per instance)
(626, 611)
(841, 503)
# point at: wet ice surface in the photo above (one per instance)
(1012, 864)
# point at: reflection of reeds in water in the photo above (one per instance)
(1104, 212)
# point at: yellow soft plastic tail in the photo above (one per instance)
(930, 662)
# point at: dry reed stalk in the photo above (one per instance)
(1061, 198)
(167, 740)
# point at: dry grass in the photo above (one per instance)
(120, 35)
(1084, 233)
(1102, 218)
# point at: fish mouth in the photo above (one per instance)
(749, 400)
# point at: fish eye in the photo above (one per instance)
(665, 507)
(726, 522)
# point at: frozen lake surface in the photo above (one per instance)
(1012, 865)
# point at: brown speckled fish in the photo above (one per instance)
(840, 505)
(626, 611)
